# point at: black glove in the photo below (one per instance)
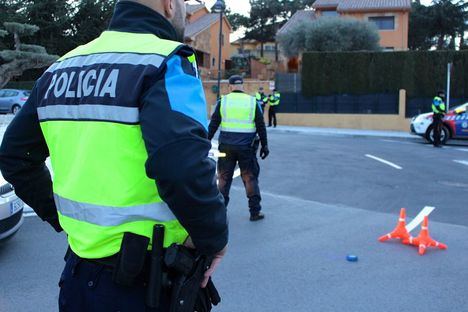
(264, 152)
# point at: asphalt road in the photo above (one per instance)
(324, 199)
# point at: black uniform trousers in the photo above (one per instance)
(272, 116)
(437, 122)
(246, 157)
(88, 287)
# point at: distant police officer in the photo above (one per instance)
(439, 110)
(274, 101)
(261, 98)
(123, 120)
(241, 118)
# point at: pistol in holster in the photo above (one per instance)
(188, 271)
(178, 271)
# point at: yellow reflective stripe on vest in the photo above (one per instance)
(90, 112)
(112, 216)
(109, 58)
(126, 43)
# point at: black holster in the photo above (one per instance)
(188, 270)
(131, 259)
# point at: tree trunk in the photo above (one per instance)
(17, 41)
(440, 42)
(261, 48)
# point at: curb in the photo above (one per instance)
(346, 132)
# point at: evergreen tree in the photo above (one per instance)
(91, 18)
(23, 56)
(330, 34)
(53, 17)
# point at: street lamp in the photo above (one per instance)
(219, 7)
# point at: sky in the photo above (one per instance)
(243, 6)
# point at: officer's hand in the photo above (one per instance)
(214, 264)
(264, 152)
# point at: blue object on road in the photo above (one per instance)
(352, 258)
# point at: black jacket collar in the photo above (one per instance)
(136, 18)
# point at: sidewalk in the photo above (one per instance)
(344, 132)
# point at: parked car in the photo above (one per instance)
(11, 211)
(455, 125)
(11, 100)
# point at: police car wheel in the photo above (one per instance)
(444, 135)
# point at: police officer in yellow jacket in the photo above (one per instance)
(438, 110)
(123, 119)
(240, 118)
(274, 102)
(261, 98)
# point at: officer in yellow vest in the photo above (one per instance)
(261, 98)
(123, 119)
(274, 101)
(438, 110)
(240, 118)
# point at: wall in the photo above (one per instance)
(214, 48)
(368, 122)
(397, 38)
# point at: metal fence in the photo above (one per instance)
(292, 100)
(339, 104)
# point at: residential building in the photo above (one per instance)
(202, 34)
(390, 16)
(251, 47)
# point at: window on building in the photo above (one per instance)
(213, 63)
(269, 48)
(329, 14)
(383, 22)
(222, 40)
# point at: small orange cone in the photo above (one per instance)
(424, 240)
(400, 231)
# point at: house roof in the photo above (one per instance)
(325, 4)
(192, 8)
(363, 5)
(296, 19)
(202, 23)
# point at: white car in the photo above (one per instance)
(455, 124)
(11, 210)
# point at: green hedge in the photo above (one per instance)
(23, 85)
(420, 73)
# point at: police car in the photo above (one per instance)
(11, 211)
(455, 125)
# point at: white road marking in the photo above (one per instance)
(28, 212)
(462, 149)
(463, 162)
(394, 141)
(419, 218)
(384, 161)
(237, 173)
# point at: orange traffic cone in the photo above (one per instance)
(424, 240)
(400, 231)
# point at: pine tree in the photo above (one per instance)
(24, 56)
